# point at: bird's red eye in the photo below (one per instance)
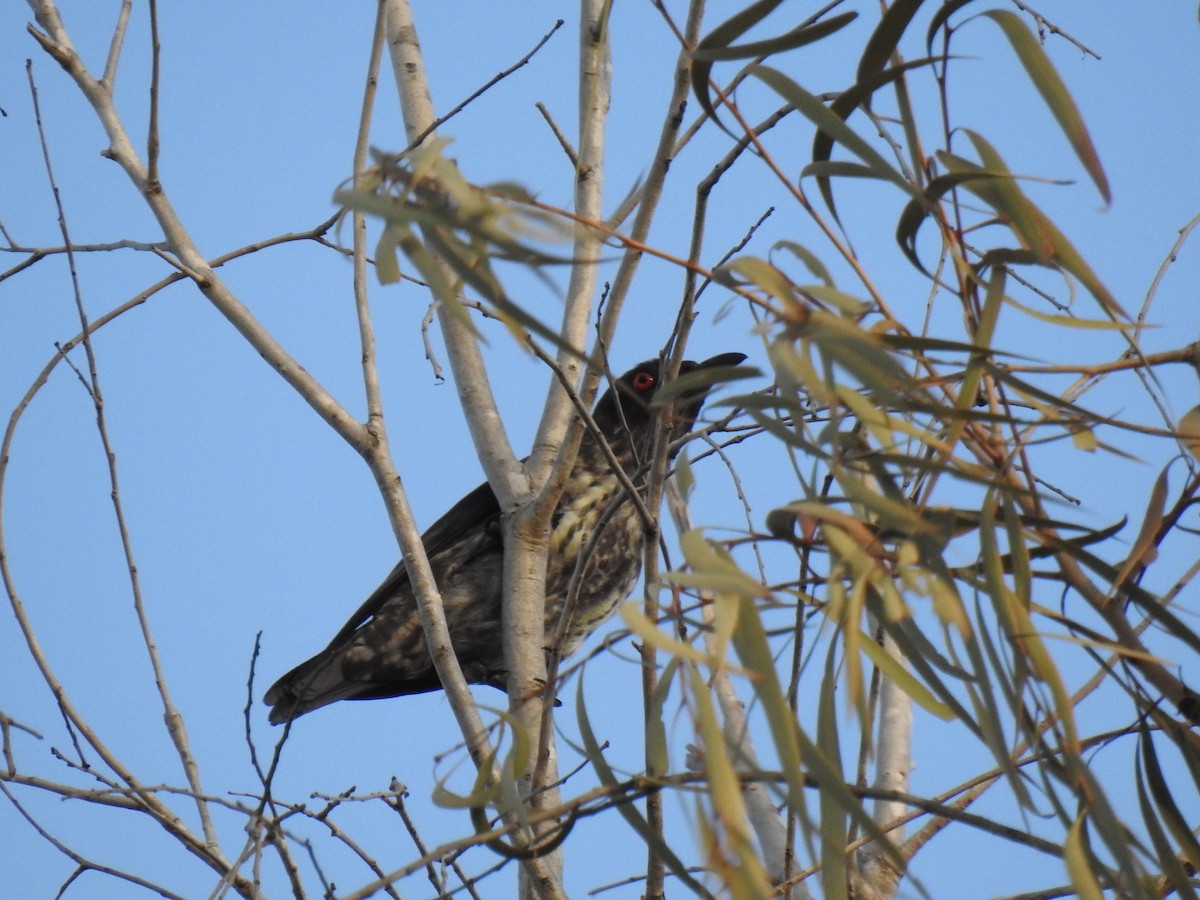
(643, 381)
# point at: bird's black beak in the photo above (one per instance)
(697, 379)
(723, 359)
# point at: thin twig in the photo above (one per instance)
(152, 136)
(51, 35)
(109, 78)
(1044, 25)
(442, 120)
(362, 309)
(395, 799)
(84, 864)
(558, 133)
(171, 713)
(137, 797)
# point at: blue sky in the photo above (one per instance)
(249, 515)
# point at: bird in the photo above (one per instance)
(381, 652)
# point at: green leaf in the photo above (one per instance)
(717, 44)
(899, 675)
(1151, 522)
(940, 17)
(926, 660)
(1079, 862)
(806, 256)
(812, 108)
(1012, 607)
(1160, 790)
(725, 794)
(1048, 83)
(886, 37)
(918, 209)
(1173, 871)
(387, 263)
(657, 760)
(636, 621)
(790, 40)
(792, 745)
(1039, 235)
(1068, 321)
(482, 793)
(1148, 602)
(626, 808)
(1084, 439)
(722, 36)
(993, 297)
(706, 558)
(833, 812)
(684, 479)
(1188, 430)
(859, 94)
(862, 354)
(759, 272)
(846, 304)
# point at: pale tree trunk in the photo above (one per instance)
(555, 446)
(769, 826)
(874, 874)
(526, 494)
(525, 557)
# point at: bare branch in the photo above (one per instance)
(84, 864)
(470, 377)
(109, 78)
(173, 719)
(152, 138)
(480, 91)
(56, 42)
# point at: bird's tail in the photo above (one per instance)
(314, 683)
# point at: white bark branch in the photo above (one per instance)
(525, 547)
(768, 825)
(558, 436)
(504, 472)
(57, 43)
(874, 873)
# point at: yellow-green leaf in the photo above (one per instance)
(904, 679)
(636, 621)
(1189, 430)
(628, 811)
(1048, 83)
(1084, 439)
(1079, 863)
(387, 261)
(1151, 522)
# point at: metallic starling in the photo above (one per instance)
(381, 651)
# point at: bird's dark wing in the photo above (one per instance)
(473, 510)
(356, 663)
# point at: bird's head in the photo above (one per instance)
(638, 395)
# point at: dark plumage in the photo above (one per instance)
(381, 651)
